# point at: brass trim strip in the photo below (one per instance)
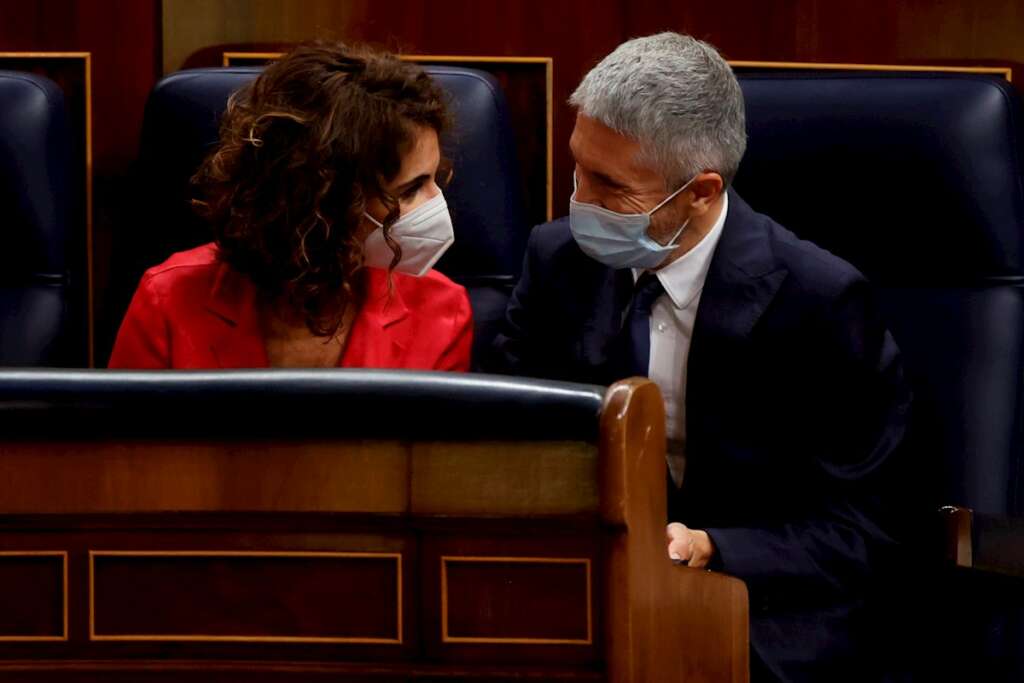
(445, 638)
(63, 555)
(226, 57)
(549, 94)
(1004, 71)
(86, 58)
(93, 554)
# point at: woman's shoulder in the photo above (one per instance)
(199, 258)
(184, 270)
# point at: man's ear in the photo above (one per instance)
(706, 188)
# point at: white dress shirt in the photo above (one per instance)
(672, 318)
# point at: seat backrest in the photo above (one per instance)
(916, 180)
(37, 196)
(485, 197)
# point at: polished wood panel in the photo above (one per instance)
(33, 596)
(138, 476)
(386, 477)
(215, 596)
(571, 542)
(516, 600)
(496, 478)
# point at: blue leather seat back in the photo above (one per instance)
(916, 180)
(485, 198)
(37, 196)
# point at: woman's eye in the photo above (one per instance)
(411, 192)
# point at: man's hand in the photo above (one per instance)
(691, 547)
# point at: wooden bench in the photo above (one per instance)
(351, 525)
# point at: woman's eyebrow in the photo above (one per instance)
(418, 180)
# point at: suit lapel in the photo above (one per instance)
(742, 279)
(606, 297)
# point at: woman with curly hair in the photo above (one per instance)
(326, 219)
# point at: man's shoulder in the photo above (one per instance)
(810, 263)
(553, 243)
(551, 236)
(808, 266)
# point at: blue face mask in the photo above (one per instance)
(619, 240)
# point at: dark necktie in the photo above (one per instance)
(636, 327)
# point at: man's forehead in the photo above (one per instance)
(600, 147)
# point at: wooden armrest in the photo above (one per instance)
(710, 610)
(988, 543)
(665, 622)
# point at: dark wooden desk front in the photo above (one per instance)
(357, 560)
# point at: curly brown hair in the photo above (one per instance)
(302, 150)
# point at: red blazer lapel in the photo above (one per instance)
(381, 335)
(236, 339)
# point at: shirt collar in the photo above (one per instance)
(683, 279)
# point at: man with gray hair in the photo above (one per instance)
(784, 392)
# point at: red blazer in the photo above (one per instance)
(193, 311)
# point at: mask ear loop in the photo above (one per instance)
(673, 195)
(672, 242)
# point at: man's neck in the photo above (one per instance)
(696, 231)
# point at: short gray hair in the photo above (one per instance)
(677, 97)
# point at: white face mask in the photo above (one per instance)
(424, 234)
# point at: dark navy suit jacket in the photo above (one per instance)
(796, 403)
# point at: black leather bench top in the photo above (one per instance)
(345, 403)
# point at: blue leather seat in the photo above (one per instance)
(916, 180)
(180, 128)
(37, 196)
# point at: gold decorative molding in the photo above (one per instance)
(230, 59)
(1005, 72)
(86, 58)
(64, 594)
(191, 637)
(446, 638)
